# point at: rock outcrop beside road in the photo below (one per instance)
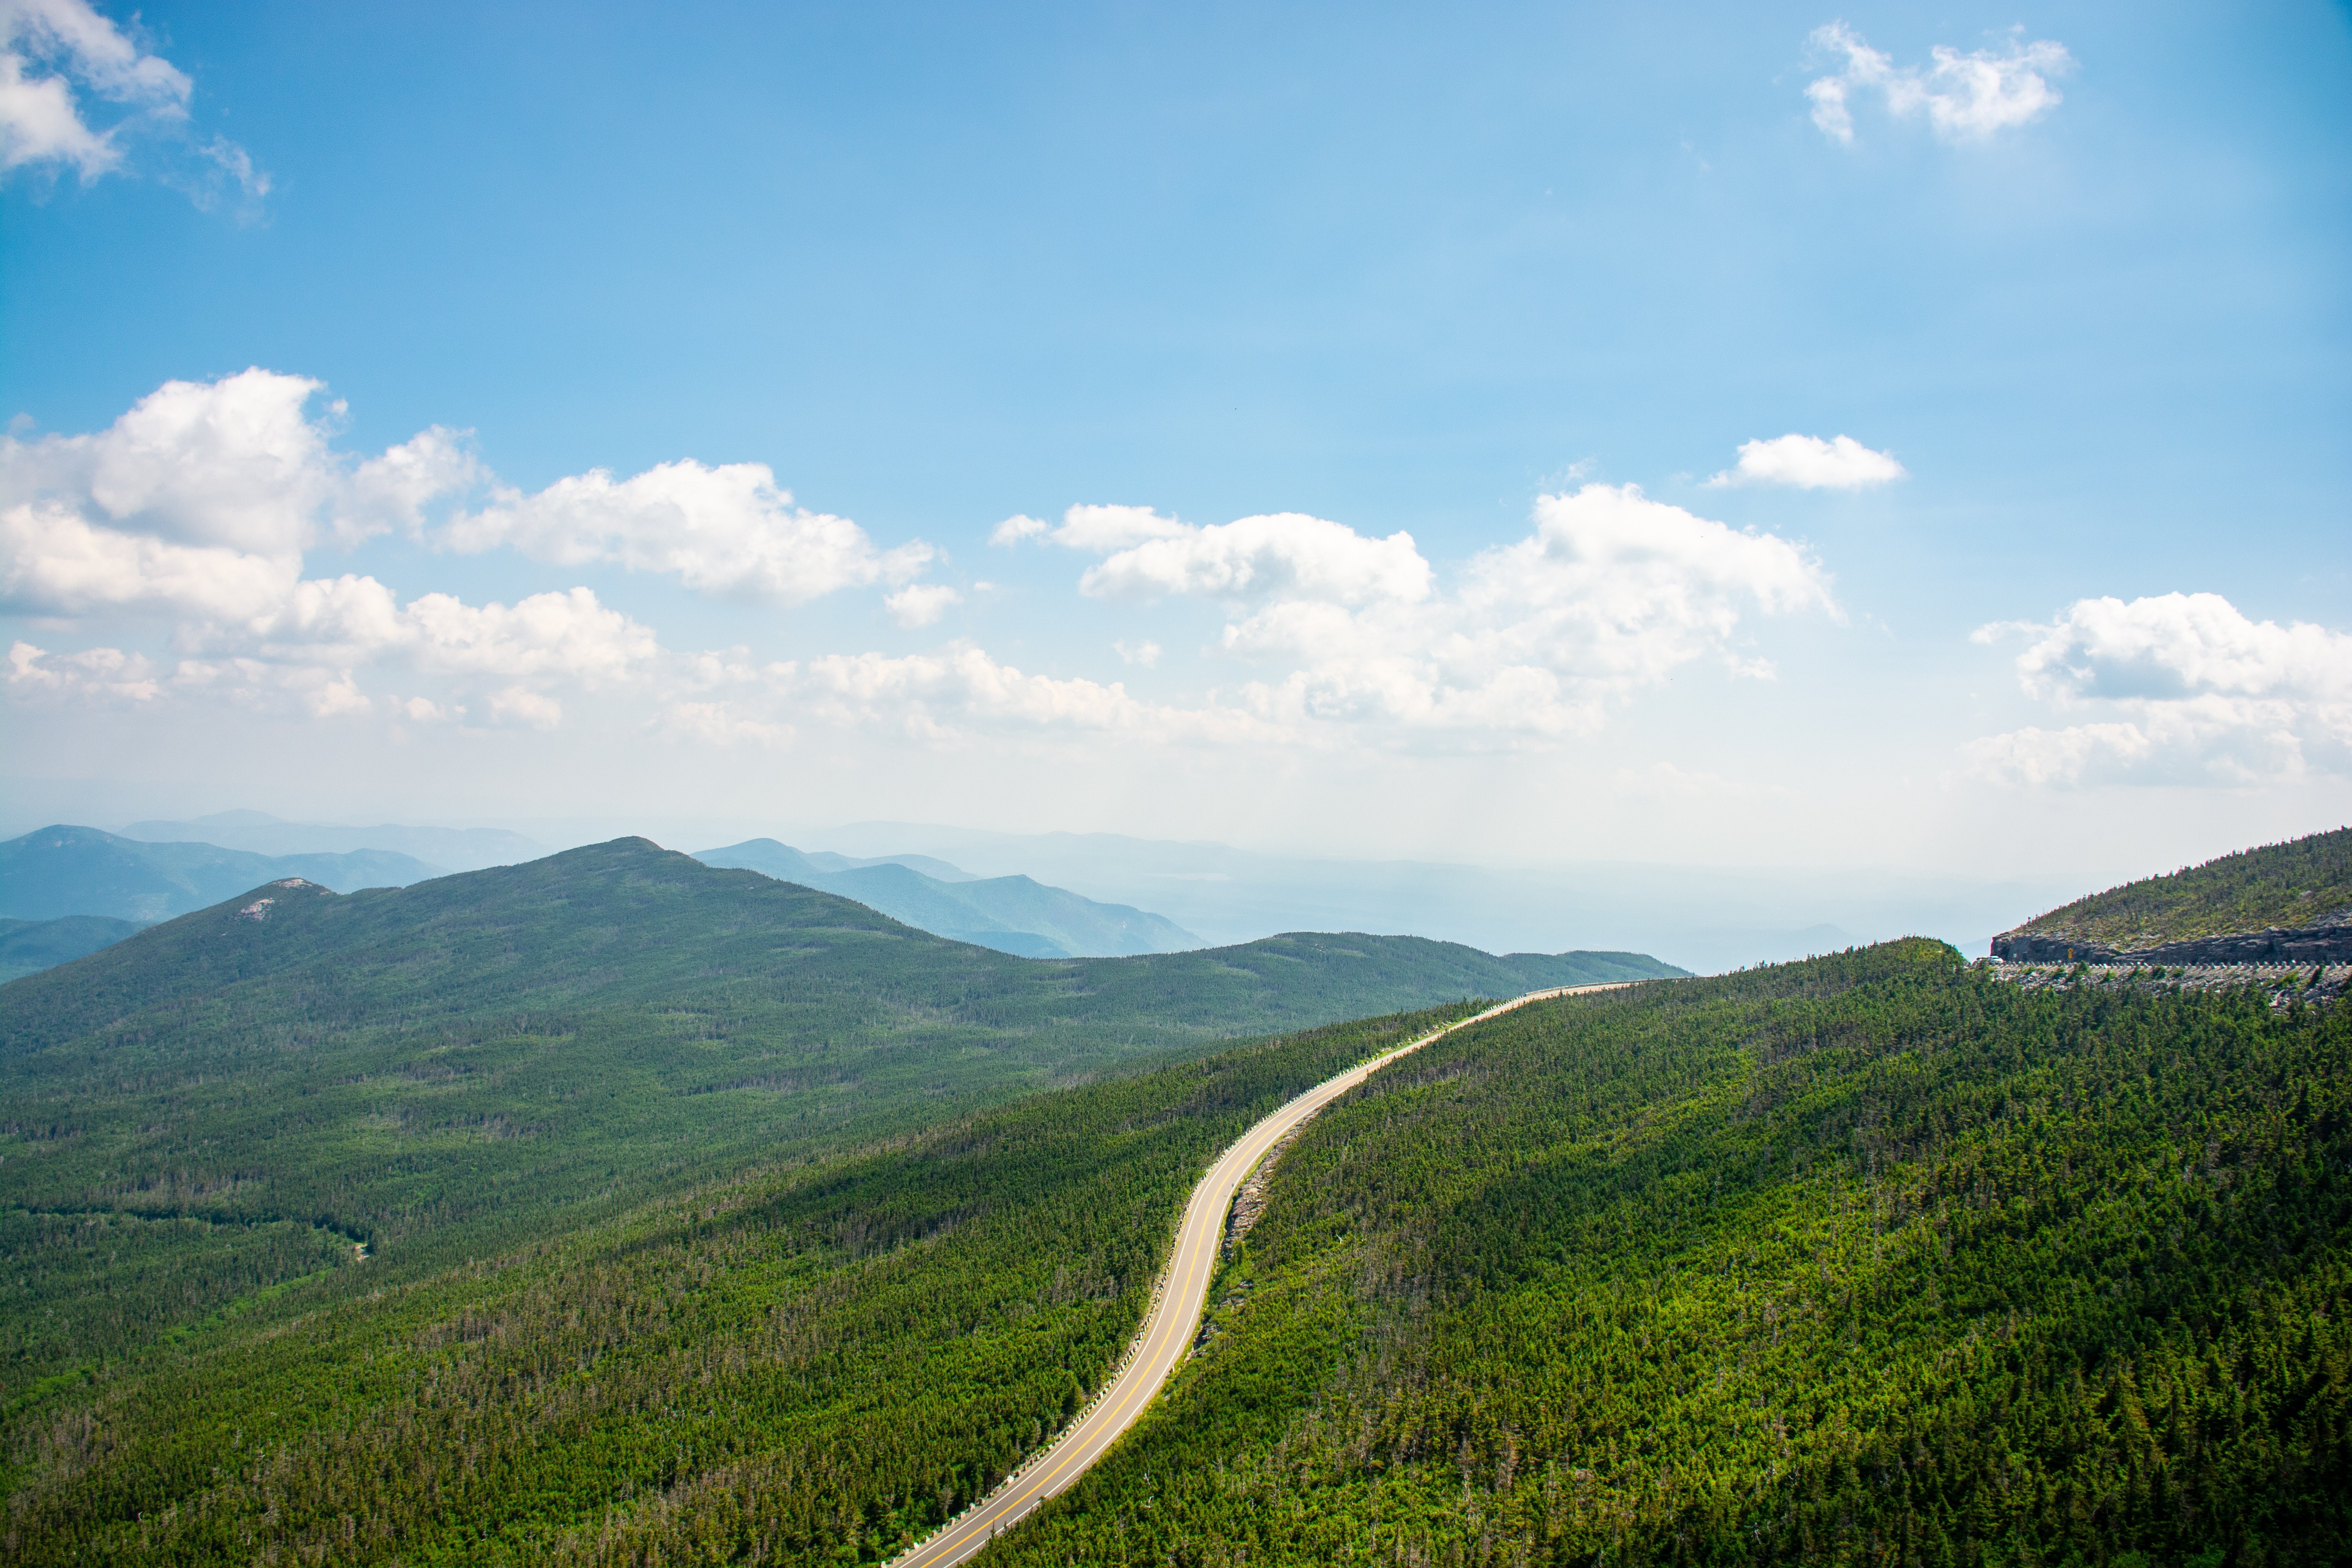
(2329, 942)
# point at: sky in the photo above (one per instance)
(1735, 435)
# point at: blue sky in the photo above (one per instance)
(2083, 288)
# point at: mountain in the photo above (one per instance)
(2288, 903)
(493, 1058)
(1701, 917)
(1872, 1259)
(64, 871)
(1868, 1260)
(456, 849)
(1012, 914)
(27, 947)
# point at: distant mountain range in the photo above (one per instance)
(1707, 918)
(66, 870)
(156, 870)
(449, 848)
(1011, 914)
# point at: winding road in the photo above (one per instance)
(1174, 1315)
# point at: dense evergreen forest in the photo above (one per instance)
(2303, 883)
(247, 1100)
(809, 1364)
(1869, 1260)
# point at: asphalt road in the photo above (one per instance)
(1174, 1317)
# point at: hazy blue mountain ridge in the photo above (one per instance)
(1013, 914)
(66, 871)
(452, 848)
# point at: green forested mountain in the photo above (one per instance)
(2303, 883)
(245, 1095)
(62, 870)
(798, 1364)
(29, 946)
(1870, 1259)
(1012, 914)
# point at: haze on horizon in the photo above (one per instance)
(1758, 437)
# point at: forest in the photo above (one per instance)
(809, 1363)
(2303, 883)
(1866, 1259)
(1869, 1260)
(224, 1105)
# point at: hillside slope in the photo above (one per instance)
(1871, 1259)
(834, 1353)
(1012, 914)
(2287, 903)
(63, 870)
(496, 1057)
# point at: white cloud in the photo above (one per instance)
(1808, 462)
(99, 671)
(921, 604)
(1611, 593)
(48, 48)
(729, 532)
(1097, 529)
(198, 506)
(929, 693)
(2181, 689)
(1284, 555)
(55, 563)
(1146, 653)
(1963, 96)
(1016, 528)
(201, 501)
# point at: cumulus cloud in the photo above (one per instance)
(921, 604)
(729, 532)
(101, 671)
(1964, 98)
(201, 501)
(1284, 555)
(58, 57)
(2175, 689)
(196, 509)
(1611, 592)
(1016, 528)
(1808, 462)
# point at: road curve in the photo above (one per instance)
(1173, 1317)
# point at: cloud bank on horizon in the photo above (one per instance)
(197, 511)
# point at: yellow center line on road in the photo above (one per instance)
(1160, 1343)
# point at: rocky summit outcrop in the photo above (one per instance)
(2329, 942)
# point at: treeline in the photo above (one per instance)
(787, 1368)
(2299, 883)
(1864, 1260)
